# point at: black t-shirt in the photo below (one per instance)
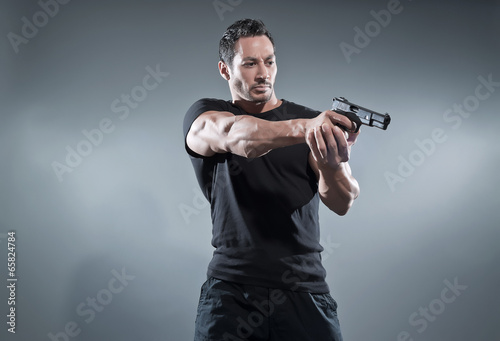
(264, 210)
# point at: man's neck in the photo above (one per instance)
(258, 107)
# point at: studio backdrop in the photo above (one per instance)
(104, 232)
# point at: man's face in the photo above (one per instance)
(253, 72)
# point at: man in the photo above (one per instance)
(264, 163)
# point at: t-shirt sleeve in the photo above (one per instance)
(198, 108)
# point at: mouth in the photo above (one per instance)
(261, 87)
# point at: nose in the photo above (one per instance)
(263, 72)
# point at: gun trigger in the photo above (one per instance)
(354, 119)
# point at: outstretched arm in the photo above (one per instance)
(248, 136)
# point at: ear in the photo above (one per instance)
(224, 70)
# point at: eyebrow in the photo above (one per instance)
(271, 56)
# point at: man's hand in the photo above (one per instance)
(329, 144)
(330, 151)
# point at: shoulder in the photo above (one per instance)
(206, 104)
(201, 106)
(295, 110)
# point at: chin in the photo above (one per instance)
(262, 98)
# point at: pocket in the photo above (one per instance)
(332, 301)
(203, 297)
(205, 288)
(326, 303)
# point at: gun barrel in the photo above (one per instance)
(374, 119)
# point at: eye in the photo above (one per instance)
(249, 64)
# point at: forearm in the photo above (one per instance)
(337, 188)
(252, 137)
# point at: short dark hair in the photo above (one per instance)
(241, 28)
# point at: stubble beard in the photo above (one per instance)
(257, 99)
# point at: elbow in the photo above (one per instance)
(235, 138)
(240, 147)
(342, 205)
(246, 148)
(254, 150)
(341, 210)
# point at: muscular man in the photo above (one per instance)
(264, 164)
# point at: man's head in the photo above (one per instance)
(241, 28)
(247, 61)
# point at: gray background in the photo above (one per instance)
(121, 208)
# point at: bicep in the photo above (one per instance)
(206, 136)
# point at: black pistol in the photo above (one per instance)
(360, 115)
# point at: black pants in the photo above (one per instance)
(234, 312)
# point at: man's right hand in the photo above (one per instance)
(330, 117)
(329, 143)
